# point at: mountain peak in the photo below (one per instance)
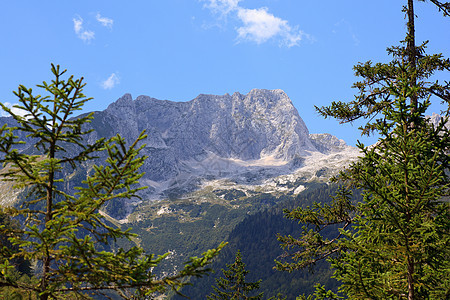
(261, 123)
(126, 98)
(211, 134)
(244, 137)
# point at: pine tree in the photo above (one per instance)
(233, 284)
(395, 244)
(64, 234)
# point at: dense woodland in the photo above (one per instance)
(255, 238)
(384, 234)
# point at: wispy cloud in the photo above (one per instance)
(350, 31)
(107, 22)
(222, 6)
(111, 82)
(258, 25)
(85, 35)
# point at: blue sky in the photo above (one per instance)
(178, 49)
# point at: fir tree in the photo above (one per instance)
(65, 234)
(395, 244)
(233, 284)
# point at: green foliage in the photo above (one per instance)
(63, 233)
(314, 244)
(20, 269)
(320, 294)
(233, 284)
(254, 236)
(9, 228)
(401, 238)
(395, 244)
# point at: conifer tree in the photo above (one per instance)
(64, 234)
(233, 284)
(395, 244)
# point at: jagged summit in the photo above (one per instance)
(261, 123)
(245, 139)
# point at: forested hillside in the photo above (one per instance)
(256, 238)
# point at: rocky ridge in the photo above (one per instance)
(242, 138)
(253, 142)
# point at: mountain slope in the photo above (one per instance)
(213, 137)
(252, 143)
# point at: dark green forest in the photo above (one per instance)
(255, 237)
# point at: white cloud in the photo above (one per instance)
(85, 35)
(111, 82)
(15, 110)
(107, 22)
(259, 25)
(77, 24)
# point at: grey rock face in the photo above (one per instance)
(327, 143)
(246, 127)
(243, 138)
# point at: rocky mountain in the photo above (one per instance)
(261, 123)
(256, 141)
(248, 138)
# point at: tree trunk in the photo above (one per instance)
(410, 279)
(411, 50)
(48, 217)
(412, 57)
